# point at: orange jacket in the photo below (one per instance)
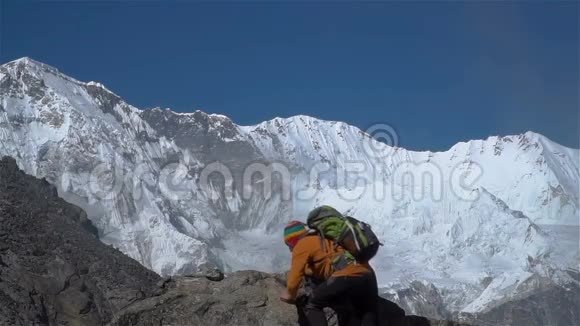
(309, 258)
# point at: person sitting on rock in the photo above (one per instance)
(311, 266)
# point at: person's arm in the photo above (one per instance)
(300, 256)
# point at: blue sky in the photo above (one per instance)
(438, 72)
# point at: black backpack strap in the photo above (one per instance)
(322, 243)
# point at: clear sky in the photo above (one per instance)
(438, 72)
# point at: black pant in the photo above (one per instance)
(341, 309)
(302, 320)
(360, 293)
(343, 314)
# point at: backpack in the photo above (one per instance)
(335, 256)
(356, 237)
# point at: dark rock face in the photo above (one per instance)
(53, 268)
(211, 138)
(552, 305)
(106, 100)
(545, 303)
(422, 299)
(214, 138)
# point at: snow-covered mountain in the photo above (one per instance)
(479, 222)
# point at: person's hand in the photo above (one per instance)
(301, 300)
(286, 297)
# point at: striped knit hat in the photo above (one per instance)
(293, 231)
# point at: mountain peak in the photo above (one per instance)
(35, 68)
(28, 62)
(23, 60)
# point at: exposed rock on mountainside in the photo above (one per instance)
(549, 305)
(420, 297)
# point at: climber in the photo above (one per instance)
(311, 265)
(349, 280)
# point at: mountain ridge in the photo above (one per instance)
(32, 62)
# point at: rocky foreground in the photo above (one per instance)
(55, 271)
(242, 298)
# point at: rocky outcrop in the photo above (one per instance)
(53, 268)
(245, 298)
